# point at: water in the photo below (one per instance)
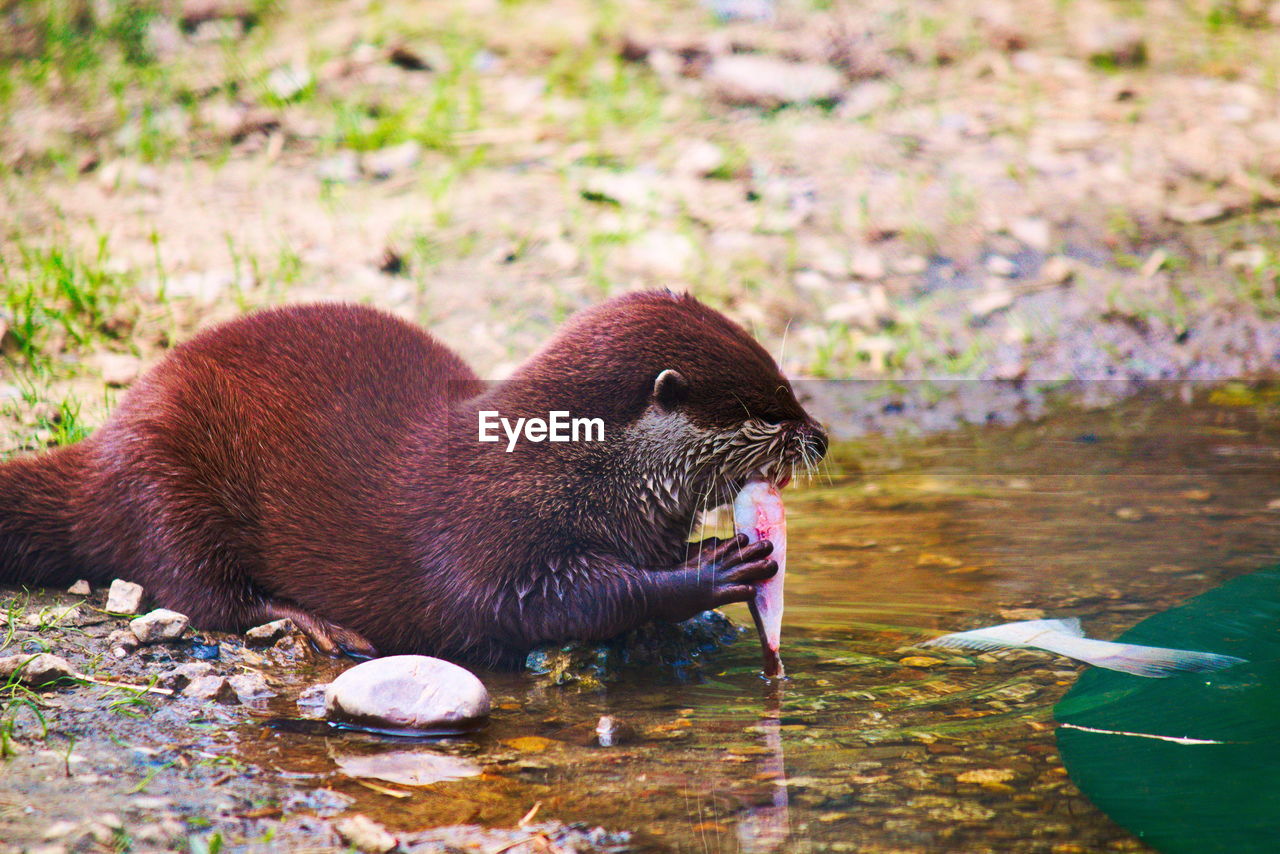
(1110, 516)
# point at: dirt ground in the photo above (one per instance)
(1027, 193)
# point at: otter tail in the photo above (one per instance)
(38, 497)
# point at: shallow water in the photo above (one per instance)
(1110, 516)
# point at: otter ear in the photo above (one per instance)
(670, 389)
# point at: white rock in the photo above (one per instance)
(268, 633)
(124, 597)
(1057, 270)
(118, 369)
(629, 189)
(386, 162)
(365, 834)
(80, 588)
(341, 168)
(36, 670)
(183, 675)
(1195, 213)
(865, 99)
(159, 626)
(912, 265)
(995, 299)
(699, 158)
(250, 687)
(210, 688)
(998, 265)
(122, 642)
(1032, 231)
(661, 253)
(866, 263)
(288, 81)
(407, 692)
(763, 81)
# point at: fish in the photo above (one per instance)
(1066, 637)
(758, 513)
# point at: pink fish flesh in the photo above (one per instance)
(758, 513)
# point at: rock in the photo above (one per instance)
(365, 834)
(994, 300)
(118, 369)
(628, 189)
(36, 670)
(341, 168)
(1012, 614)
(159, 626)
(122, 642)
(912, 265)
(211, 687)
(407, 692)
(1057, 270)
(1154, 264)
(1032, 231)
(288, 81)
(269, 633)
(920, 661)
(311, 700)
(395, 159)
(865, 99)
(1130, 514)
(183, 675)
(1195, 213)
(124, 597)
(80, 588)
(699, 158)
(611, 732)
(866, 264)
(986, 776)
(754, 80)
(998, 265)
(742, 10)
(250, 687)
(1249, 258)
(661, 253)
(1113, 43)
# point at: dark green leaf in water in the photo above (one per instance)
(1175, 791)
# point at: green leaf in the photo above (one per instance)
(1152, 771)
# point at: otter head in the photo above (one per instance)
(694, 406)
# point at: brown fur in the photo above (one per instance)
(321, 463)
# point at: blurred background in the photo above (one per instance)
(1027, 193)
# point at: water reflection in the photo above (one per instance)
(872, 744)
(766, 828)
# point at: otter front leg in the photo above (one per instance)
(605, 597)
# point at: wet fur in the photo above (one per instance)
(321, 463)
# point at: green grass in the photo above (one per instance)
(57, 299)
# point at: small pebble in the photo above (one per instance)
(80, 588)
(365, 834)
(159, 626)
(124, 597)
(269, 633)
(211, 687)
(36, 670)
(122, 642)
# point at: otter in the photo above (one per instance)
(322, 463)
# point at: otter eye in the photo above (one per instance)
(670, 388)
